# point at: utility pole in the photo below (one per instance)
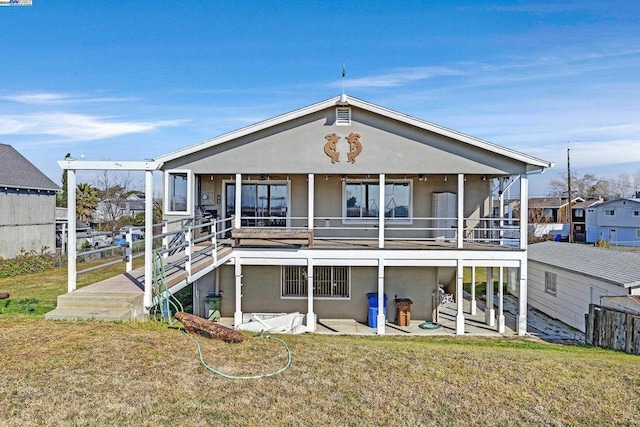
(569, 197)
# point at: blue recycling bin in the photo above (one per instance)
(372, 319)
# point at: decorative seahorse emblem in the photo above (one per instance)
(330, 146)
(355, 147)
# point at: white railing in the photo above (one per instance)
(493, 231)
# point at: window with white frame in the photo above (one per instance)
(609, 212)
(328, 281)
(550, 283)
(362, 200)
(177, 192)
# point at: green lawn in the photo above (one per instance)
(91, 373)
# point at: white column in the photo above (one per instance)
(381, 319)
(238, 199)
(489, 311)
(148, 240)
(474, 303)
(524, 210)
(237, 316)
(522, 298)
(460, 210)
(311, 316)
(459, 299)
(501, 326)
(71, 219)
(381, 208)
(310, 201)
(501, 207)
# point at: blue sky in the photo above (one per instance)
(129, 80)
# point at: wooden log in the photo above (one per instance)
(207, 328)
(4, 295)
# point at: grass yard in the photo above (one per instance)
(91, 373)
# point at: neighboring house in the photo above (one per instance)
(550, 215)
(579, 210)
(564, 278)
(617, 221)
(27, 206)
(342, 199)
(112, 210)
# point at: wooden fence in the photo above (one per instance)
(613, 329)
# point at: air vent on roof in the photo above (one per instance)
(343, 116)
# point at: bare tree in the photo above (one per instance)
(113, 190)
(587, 186)
(620, 186)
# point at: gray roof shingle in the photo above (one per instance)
(18, 172)
(617, 267)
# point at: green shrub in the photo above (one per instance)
(27, 262)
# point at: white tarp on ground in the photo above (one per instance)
(290, 323)
(553, 228)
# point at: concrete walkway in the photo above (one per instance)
(538, 324)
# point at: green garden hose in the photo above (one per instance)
(429, 325)
(245, 377)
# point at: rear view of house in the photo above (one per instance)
(341, 207)
(27, 205)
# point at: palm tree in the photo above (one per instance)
(86, 202)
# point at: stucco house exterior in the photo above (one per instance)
(616, 221)
(340, 200)
(564, 278)
(27, 205)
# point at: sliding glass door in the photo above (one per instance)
(263, 204)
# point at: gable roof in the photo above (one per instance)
(551, 202)
(609, 265)
(618, 199)
(343, 100)
(19, 173)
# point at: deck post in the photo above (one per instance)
(524, 211)
(460, 231)
(237, 316)
(311, 316)
(501, 325)
(474, 303)
(165, 239)
(459, 299)
(129, 250)
(381, 209)
(148, 239)
(188, 250)
(489, 312)
(72, 249)
(238, 200)
(214, 241)
(310, 201)
(522, 298)
(381, 318)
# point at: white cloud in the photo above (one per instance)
(399, 77)
(77, 127)
(46, 98)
